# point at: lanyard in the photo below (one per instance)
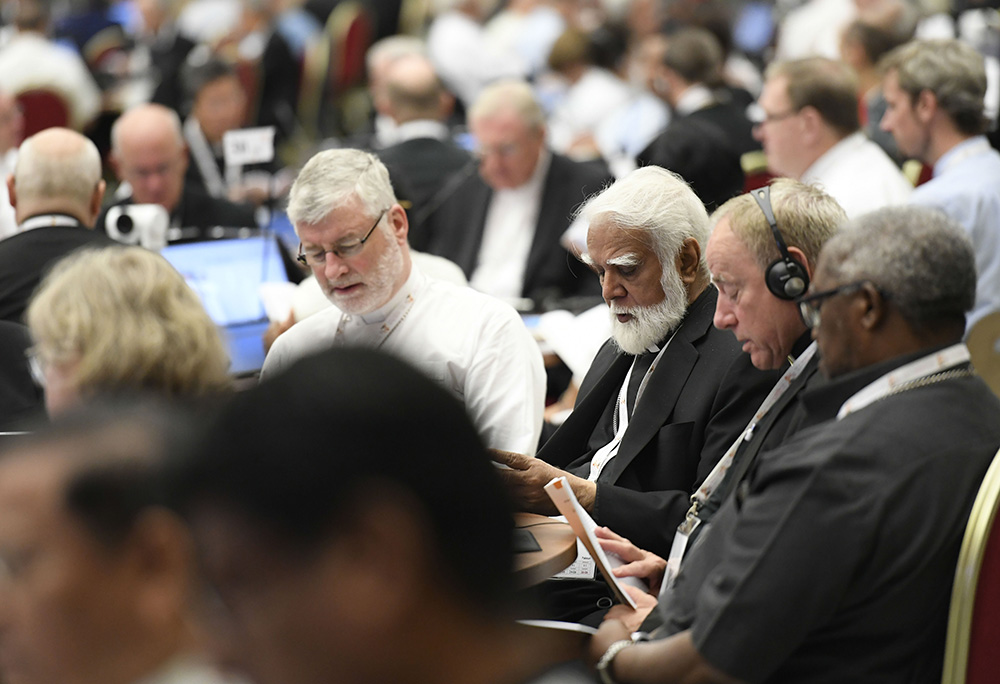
(893, 382)
(388, 325)
(971, 149)
(718, 474)
(621, 416)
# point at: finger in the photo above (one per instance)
(626, 551)
(641, 569)
(512, 459)
(607, 533)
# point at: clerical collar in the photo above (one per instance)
(49, 221)
(421, 128)
(694, 98)
(411, 285)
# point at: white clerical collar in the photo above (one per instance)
(424, 128)
(409, 287)
(48, 221)
(694, 98)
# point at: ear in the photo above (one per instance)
(161, 560)
(872, 307)
(399, 222)
(11, 191)
(812, 123)
(925, 106)
(800, 257)
(688, 261)
(380, 568)
(95, 201)
(185, 155)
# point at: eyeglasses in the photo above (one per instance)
(758, 116)
(809, 305)
(344, 250)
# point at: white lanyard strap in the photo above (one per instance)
(621, 416)
(971, 149)
(892, 382)
(718, 473)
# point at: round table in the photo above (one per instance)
(558, 544)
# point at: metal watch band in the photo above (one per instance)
(604, 664)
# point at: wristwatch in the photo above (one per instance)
(604, 664)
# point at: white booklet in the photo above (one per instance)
(583, 525)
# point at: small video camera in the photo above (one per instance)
(138, 224)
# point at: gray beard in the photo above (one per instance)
(650, 324)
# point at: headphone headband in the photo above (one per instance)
(786, 277)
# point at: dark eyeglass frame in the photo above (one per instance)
(343, 250)
(759, 117)
(810, 304)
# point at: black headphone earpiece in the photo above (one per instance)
(786, 277)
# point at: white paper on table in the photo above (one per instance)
(583, 525)
(277, 300)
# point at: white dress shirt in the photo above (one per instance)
(472, 344)
(508, 232)
(859, 175)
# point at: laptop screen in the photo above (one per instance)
(227, 275)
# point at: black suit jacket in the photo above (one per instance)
(21, 400)
(456, 228)
(701, 395)
(197, 209)
(698, 150)
(420, 169)
(26, 257)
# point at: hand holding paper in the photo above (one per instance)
(584, 526)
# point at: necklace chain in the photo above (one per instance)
(930, 380)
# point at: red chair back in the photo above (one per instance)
(972, 649)
(42, 109)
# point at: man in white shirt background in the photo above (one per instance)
(809, 125)
(353, 234)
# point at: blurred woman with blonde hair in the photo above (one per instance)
(122, 320)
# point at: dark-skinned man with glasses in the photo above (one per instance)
(353, 236)
(833, 560)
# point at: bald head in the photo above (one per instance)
(148, 151)
(57, 171)
(414, 91)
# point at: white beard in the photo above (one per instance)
(650, 324)
(378, 284)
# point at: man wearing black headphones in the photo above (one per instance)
(762, 252)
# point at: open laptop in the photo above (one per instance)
(227, 275)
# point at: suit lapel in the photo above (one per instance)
(549, 222)
(570, 441)
(656, 405)
(480, 196)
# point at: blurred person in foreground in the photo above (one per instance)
(96, 581)
(388, 559)
(122, 320)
